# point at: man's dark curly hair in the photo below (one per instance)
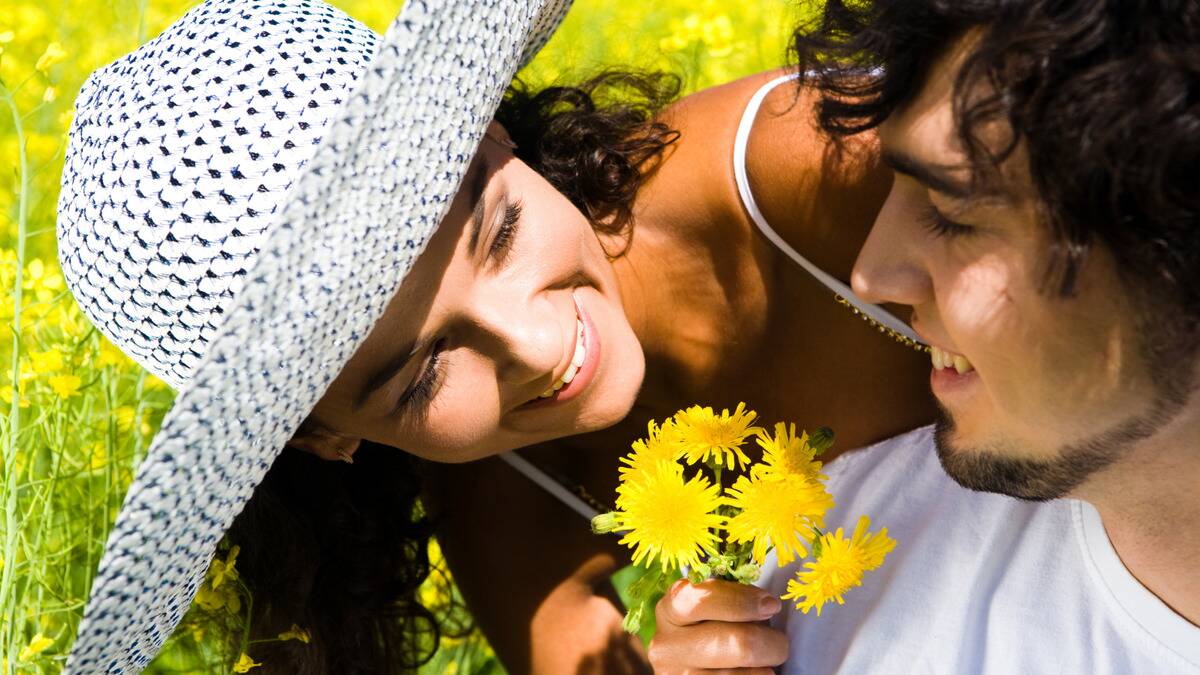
(341, 550)
(1104, 95)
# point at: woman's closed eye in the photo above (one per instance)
(416, 399)
(506, 233)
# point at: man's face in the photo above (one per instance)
(1052, 389)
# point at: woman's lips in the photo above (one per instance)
(591, 362)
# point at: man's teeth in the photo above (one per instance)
(576, 363)
(945, 359)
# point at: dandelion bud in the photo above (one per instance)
(605, 523)
(633, 619)
(747, 574)
(821, 440)
(699, 573)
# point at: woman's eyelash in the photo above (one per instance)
(418, 396)
(941, 226)
(502, 243)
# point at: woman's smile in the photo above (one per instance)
(582, 366)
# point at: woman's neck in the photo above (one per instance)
(692, 299)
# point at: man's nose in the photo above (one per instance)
(889, 266)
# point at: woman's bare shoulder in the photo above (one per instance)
(808, 188)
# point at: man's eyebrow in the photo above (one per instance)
(476, 181)
(387, 372)
(932, 177)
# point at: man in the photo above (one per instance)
(1044, 228)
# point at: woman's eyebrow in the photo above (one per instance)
(476, 181)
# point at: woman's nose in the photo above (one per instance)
(889, 267)
(525, 336)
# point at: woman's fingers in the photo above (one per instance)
(715, 600)
(718, 644)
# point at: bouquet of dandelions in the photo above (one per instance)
(689, 497)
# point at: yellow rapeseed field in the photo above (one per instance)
(79, 416)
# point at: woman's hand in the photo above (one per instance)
(716, 626)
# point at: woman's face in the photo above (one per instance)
(513, 296)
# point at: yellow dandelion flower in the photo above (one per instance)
(786, 454)
(295, 633)
(220, 571)
(53, 55)
(839, 567)
(662, 443)
(36, 646)
(668, 518)
(705, 434)
(245, 663)
(777, 511)
(65, 386)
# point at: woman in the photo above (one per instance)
(612, 277)
(684, 284)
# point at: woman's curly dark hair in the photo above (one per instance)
(341, 550)
(1104, 95)
(595, 142)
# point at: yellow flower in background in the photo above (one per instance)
(36, 646)
(705, 434)
(214, 599)
(45, 283)
(245, 663)
(662, 443)
(53, 55)
(65, 386)
(668, 518)
(110, 355)
(786, 454)
(777, 511)
(295, 633)
(221, 571)
(46, 362)
(717, 33)
(6, 37)
(50, 95)
(839, 566)
(152, 383)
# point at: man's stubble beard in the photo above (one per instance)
(1169, 352)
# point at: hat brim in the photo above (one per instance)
(355, 221)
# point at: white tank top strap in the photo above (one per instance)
(556, 489)
(740, 142)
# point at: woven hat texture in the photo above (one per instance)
(241, 198)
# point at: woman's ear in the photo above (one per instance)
(324, 443)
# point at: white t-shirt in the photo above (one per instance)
(978, 583)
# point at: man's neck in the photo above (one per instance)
(1150, 506)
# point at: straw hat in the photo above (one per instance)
(240, 199)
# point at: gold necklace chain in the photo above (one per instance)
(895, 335)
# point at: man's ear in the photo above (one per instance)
(325, 443)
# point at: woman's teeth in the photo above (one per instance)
(945, 359)
(576, 362)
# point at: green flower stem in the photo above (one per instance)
(8, 623)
